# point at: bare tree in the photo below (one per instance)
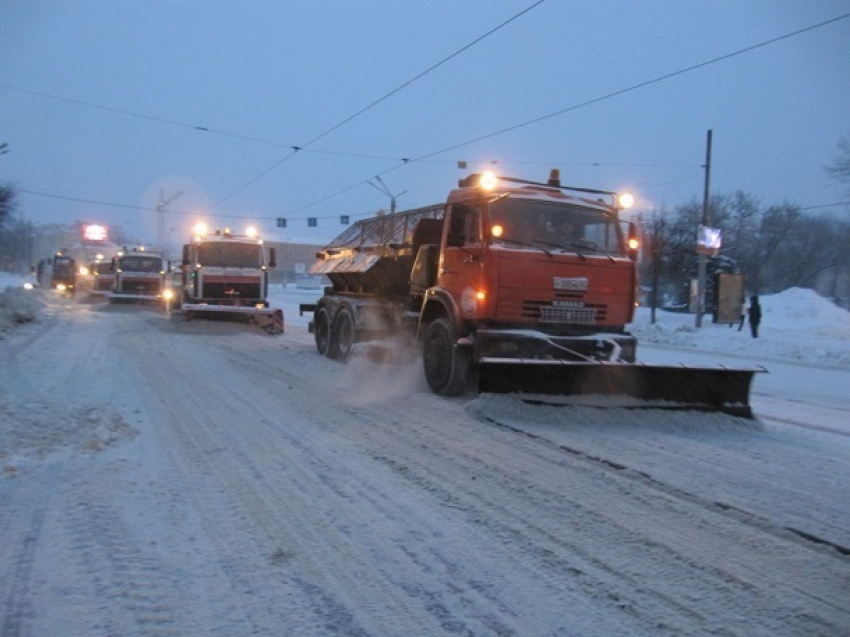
(7, 207)
(776, 252)
(840, 168)
(655, 251)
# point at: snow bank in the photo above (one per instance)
(18, 305)
(797, 325)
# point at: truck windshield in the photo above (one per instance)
(555, 226)
(230, 255)
(63, 265)
(141, 264)
(101, 267)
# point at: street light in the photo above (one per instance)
(383, 188)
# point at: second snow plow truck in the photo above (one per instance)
(526, 287)
(225, 274)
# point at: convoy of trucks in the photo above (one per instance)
(71, 270)
(515, 285)
(509, 286)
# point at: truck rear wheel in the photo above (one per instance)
(322, 329)
(447, 367)
(343, 334)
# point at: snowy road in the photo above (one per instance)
(172, 478)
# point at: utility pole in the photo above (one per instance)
(160, 222)
(701, 269)
(383, 188)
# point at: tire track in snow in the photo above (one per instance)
(24, 511)
(741, 515)
(737, 582)
(396, 436)
(138, 593)
(274, 499)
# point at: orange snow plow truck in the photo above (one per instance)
(521, 286)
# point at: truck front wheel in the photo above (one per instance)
(446, 366)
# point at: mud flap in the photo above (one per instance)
(720, 389)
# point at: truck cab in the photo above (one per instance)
(524, 256)
(226, 269)
(139, 275)
(64, 276)
(103, 277)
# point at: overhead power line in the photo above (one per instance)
(111, 204)
(575, 107)
(428, 157)
(635, 87)
(378, 101)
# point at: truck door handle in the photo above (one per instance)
(447, 271)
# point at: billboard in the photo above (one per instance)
(709, 240)
(94, 232)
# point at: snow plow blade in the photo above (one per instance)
(719, 389)
(267, 318)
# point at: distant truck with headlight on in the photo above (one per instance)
(139, 275)
(227, 275)
(103, 277)
(64, 274)
(526, 287)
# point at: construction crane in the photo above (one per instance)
(160, 222)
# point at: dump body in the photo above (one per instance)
(527, 281)
(226, 274)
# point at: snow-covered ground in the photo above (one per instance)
(203, 478)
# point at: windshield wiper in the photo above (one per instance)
(528, 245)
(563, 246)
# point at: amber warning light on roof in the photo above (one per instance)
(95, 232)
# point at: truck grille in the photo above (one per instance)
(545, 312)
(583, 315)
(231, 291)
(140, 286)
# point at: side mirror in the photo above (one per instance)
(272, 258)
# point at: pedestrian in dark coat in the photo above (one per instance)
(755, 315)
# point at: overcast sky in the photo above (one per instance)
(107, 102)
